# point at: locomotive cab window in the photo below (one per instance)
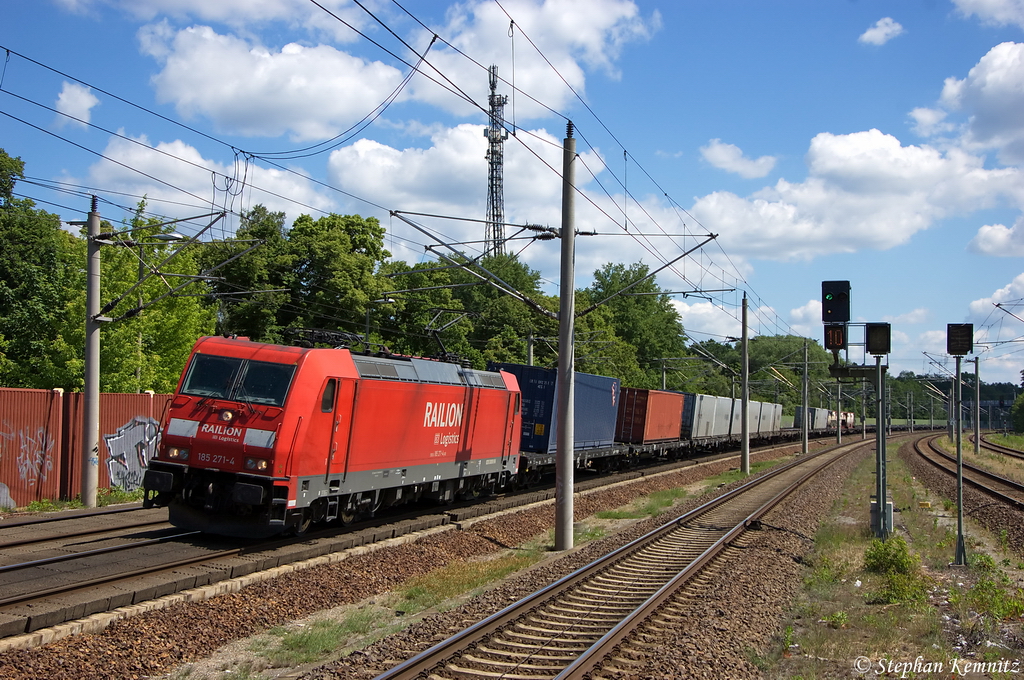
(327, 402)
(211, 376)
(256, 382)
(264, 383)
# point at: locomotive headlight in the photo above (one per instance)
(176, 453)
(257, 464)
(227, 415)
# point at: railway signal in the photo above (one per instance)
(878, 338)
(959, 341)
(835, 336)
(835, 301)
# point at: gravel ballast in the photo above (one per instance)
(154, 643)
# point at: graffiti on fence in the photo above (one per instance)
(129, 450)
(5, 497)
(34, 453)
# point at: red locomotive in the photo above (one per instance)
(261, 438)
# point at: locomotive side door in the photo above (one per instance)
(341, 425)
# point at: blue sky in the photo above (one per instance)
(877, 142)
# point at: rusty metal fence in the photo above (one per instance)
(41, 442)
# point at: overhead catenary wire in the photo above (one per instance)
(626, 193)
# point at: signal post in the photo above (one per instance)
(959, 342)
(835, 313)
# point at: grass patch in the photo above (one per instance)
(458, 579)
(104, 497)
(990, 597)
(735, 474)
(316, 641)
(891, 556)
(647, 506)
(1014, 441)
(620, 514)
(862, 596)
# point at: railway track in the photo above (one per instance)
(567, 629)
(61, 568)
(1000, 488)
(64, 527)
(999, 448)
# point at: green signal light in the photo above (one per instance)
(828, 296)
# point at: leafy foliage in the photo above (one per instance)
(40, 276)
(334, 272)
(1017, 414)
(891, 556)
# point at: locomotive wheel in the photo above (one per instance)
(346, 517)
(305, 521)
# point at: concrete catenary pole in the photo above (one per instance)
(839, 412)
(977, 407)
(566, 353)
(91, 397)
(745, 395)
(960, 559)
(804, 398)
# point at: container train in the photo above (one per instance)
(261, 439)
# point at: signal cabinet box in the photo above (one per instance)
(647, 416)
(597, 403)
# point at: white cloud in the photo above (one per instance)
(919, 315)
(409, 179)
(992, 95)
(311, 92)
(865, 190)
(708, 318)
(981, 309)
(882, 32)
(186, 178)
(77, 101)
(929, 122)
(730, 157)
(993, 11)
(1000, 362)
(1000, 241)
(806, 319)
(315, 90)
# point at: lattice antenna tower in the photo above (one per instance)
(496, 134)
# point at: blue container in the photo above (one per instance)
(597, 404)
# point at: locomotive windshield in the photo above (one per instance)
(255, 382)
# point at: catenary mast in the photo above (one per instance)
(496, 134)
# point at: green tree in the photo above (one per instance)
(501, 323)
(1017, 414)
(41, 279)
(147, 348)
(243, 306)
(643, 317)
(335, 264)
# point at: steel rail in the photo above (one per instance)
(77, 534)
(999, 448)
(595, 656)
(90, 553)
(972, 469)
(445, 651)
(71, 516)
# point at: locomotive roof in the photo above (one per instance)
(405, 369)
